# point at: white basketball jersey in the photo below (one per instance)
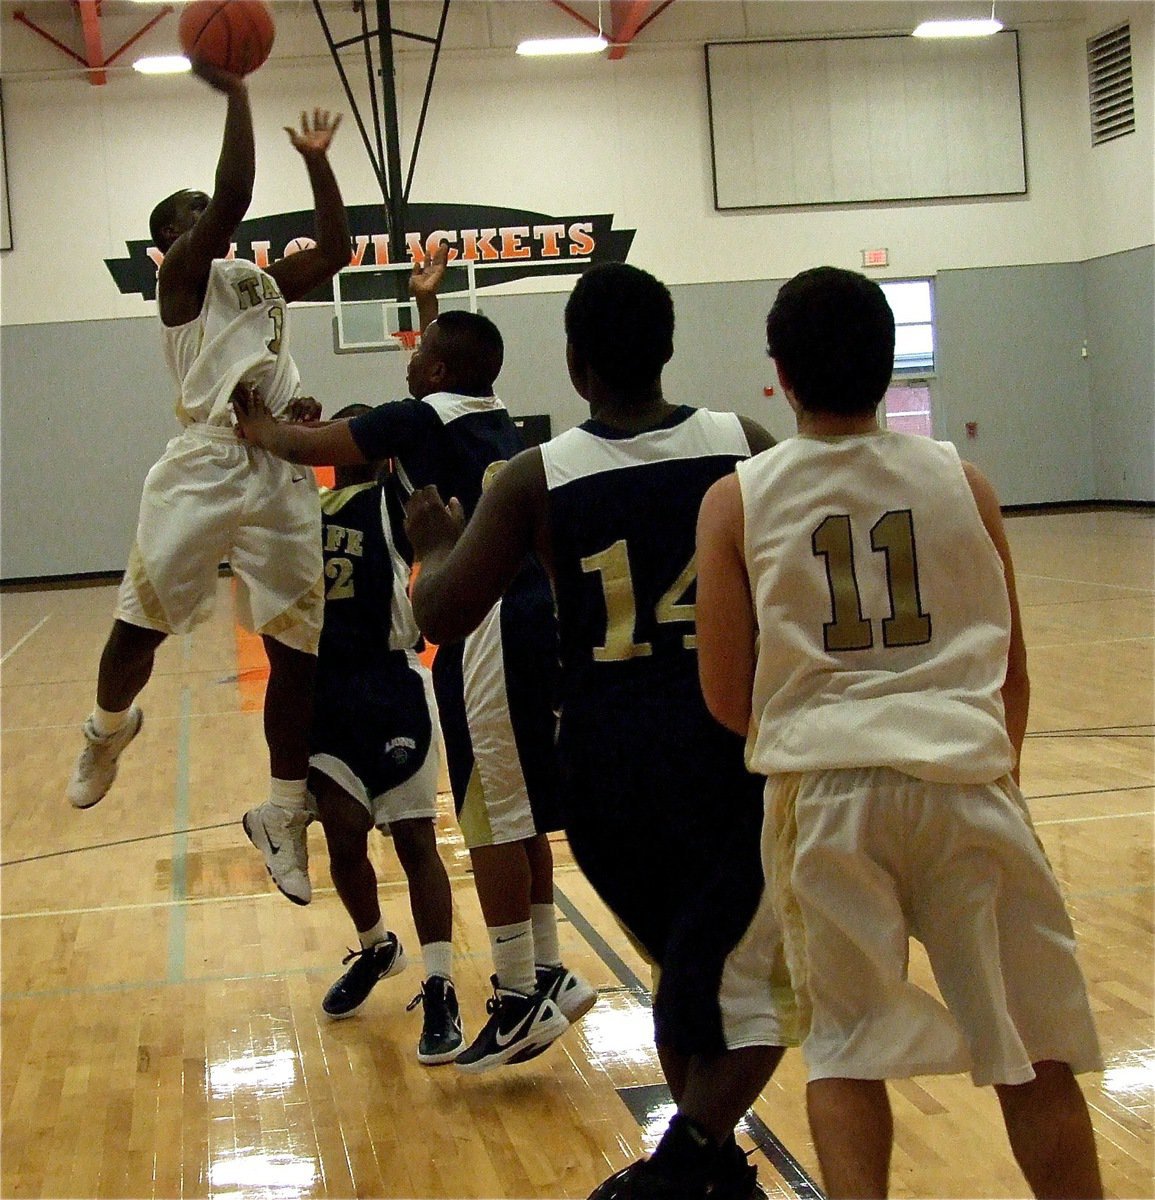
(883, 615)
(241, 333)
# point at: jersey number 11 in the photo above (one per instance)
(893, 536)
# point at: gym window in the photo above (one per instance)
(908, 398)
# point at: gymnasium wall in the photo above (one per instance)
(1021, 282)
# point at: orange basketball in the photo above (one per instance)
(234, 35)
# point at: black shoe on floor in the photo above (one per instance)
(646, 1180)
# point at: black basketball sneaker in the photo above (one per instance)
(441, 1036)
(369, 967)
(568, 991)
(519, 1028)
(714, 1173)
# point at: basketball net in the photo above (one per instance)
(408, 338)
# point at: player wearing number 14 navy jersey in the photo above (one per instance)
(661, 814)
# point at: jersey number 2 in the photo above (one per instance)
(340, 571)
(893, 536)
(612, 566)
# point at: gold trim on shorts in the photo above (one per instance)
(474, 818)
(146, 595)
(310, 605)
(784, 850)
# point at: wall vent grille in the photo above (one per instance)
(1110, 84)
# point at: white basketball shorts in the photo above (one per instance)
(212, 499)
(865, 859)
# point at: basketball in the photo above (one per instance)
(234, 35)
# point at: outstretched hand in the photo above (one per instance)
(314, 138)
(426, 277)
(254, 420)
(431, 525)
(305, 409)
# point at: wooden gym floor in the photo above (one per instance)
(161, 1029)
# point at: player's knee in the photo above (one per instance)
(415, 842)
(346, 825)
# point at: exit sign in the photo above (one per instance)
(875, 258)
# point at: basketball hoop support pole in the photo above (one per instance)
(395, 199)
(386, 159)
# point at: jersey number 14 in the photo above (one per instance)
(612, 566)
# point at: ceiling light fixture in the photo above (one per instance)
(963, 27)
(976, 27)
(162, 64)
(593, 43)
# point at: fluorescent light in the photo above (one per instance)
(973, 27)
(162, 64)
(593, 44)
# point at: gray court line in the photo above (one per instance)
(1088, 734)
(1102, 817)
(1090, 729)
(601, 947)
(1110, 791)
(12, 650)
(144, 837)
(177, 925)
(763, 1136)
(784, 1162)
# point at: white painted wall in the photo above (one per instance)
(1119, 176)
(631, 137)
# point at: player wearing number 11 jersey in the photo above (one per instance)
(857, 615)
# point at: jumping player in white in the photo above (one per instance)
(211, 497)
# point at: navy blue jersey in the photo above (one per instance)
(445, 439)
(623, 512)
(661, 814)
(457, 443)
(367, 610)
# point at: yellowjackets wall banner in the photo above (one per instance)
(511, 243)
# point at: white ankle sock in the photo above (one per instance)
(288, 794)
(107, 723)
(370, 937)
(512, 947)
(438, 959)
(545, 947)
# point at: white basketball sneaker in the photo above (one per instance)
(95, 769)
(279, 834)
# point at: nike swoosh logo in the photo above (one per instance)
(503, 1039)
(501, 941)
(272, 845)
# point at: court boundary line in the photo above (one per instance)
(31, 633)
